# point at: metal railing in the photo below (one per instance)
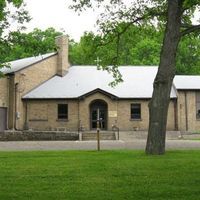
(116, 129)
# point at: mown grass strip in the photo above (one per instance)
(99, 175)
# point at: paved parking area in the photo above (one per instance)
(92, 145)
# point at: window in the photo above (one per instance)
(198, 105)
(135, 111)
(62, 111)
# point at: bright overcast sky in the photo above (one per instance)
(55, 13)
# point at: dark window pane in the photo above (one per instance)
(135, 111)
(94, 115)
(62, 111)
(94, 124)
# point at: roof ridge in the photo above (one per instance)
(40, 55)
(144, 66)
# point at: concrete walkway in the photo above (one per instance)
(91, 145)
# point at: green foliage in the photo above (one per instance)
(188, 59)
(21, 45)
(139, 45)
(17, 15)
(84, 52)
(124, 28)
(189, 3)
(133, 48)
(12, 11)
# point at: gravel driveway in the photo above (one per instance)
(91, 145)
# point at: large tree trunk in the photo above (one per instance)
(158, 106)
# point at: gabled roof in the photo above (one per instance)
(80, 80)
(187, 82)
(98, 90)
(20, 64)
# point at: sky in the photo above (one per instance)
(55, 13)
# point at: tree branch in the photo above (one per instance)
(150, 14)
(194, 4)
(191, 29)
(118, 34)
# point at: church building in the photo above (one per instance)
(47, 93)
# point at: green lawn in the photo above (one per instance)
(99, 175)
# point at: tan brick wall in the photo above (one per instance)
(126, 123)
(181, 111)
(3, 92)
(123, 113)
(187, 98)
(32, 77)
(84, 109)
(37, 74)
(38, 111)
(124, 116)
(171, 117)
(63, 64)
(42, 115)
(11, 103)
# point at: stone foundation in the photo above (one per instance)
(38, 136)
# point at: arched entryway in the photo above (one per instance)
(98, 110)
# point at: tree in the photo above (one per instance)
(11, 11)
(188, 60)
(20, 45)
(84, 52)
(175, 16)
(142, 49)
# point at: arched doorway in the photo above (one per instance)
(98, 110)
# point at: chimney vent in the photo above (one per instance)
(63, 63)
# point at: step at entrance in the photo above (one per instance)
(104, 135)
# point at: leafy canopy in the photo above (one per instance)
(137, 12)
(11, 12)
(21, 45)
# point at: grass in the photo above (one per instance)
(106, 175)
(194, 139)
(196, 132)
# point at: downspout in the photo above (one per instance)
(79, 123)
(175, 108)
(186, 112)
(11, 102)
(175, 115)
(26, 116)
(15, 113)
(8, 102)
(117, 112)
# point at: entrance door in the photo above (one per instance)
(98, 110)
(3, 119)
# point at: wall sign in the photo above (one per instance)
(112, 113)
